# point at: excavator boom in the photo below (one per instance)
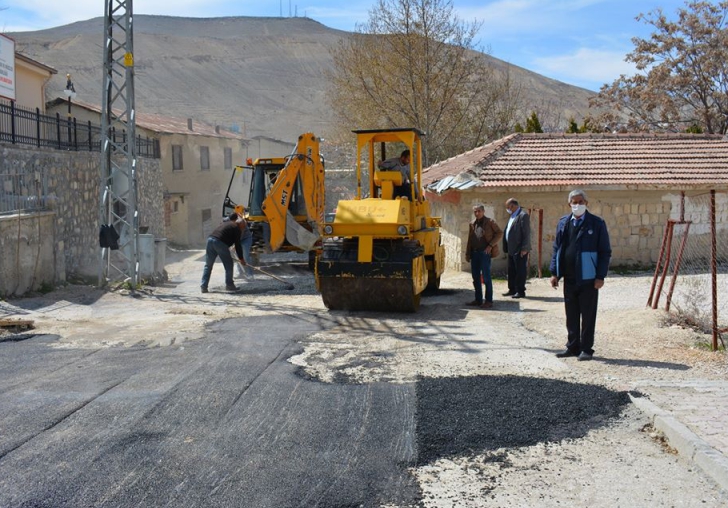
(306, 165)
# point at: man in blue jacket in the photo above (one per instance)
(581, 257)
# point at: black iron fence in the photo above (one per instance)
(25, 126)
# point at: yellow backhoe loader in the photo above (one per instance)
(285, 198)
(382, 249)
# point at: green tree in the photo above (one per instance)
(532, 123)
(573, 127)
(694, 129)
(518, 127)
(590, 124)
(414, 64)
(682, 74)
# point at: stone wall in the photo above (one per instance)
(71, 191)
(28, 260)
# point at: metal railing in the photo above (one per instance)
(694, 261)
(24, 192)
(25, 126)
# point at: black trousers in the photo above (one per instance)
(517, 273)
(581, 315)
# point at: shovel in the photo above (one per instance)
(288, 284)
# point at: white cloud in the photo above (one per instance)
(40, 14)
(592, 65)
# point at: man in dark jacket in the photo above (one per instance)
(483, 240)
(517, 244)
(219, 242)
(581, 256)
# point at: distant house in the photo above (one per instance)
(196, 160)
(264, 146)
(634, 181)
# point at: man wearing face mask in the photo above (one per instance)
(581, 257)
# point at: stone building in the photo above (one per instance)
(636, 182)
(196, 160)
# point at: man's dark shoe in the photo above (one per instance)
(487, 305)
(509, 293)
(231, 287)
(583, 357)
(203, 290)
(474, 303)
(519, 295)
(566, 354)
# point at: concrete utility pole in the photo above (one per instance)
(118, 200)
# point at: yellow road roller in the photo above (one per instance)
(383, 247)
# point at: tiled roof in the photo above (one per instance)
(29, 60)
(165, 124)
(536, 160)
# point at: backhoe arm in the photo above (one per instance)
(305, 163)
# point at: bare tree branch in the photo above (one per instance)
(414, 64)
(683, 73)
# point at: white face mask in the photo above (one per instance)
(578, 210)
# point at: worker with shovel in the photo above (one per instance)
(246, 242)
(219, 242)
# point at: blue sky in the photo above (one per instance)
(580, 42)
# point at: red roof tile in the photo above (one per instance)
(525, 160)
(166, 124)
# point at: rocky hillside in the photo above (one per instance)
(264, 75)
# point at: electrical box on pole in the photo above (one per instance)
(118, 215)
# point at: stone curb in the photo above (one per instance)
(686, 442)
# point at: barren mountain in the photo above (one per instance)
(263, 75)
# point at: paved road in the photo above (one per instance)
(223, 421)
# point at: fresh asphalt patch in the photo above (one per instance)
(471, 415)
(217, 422)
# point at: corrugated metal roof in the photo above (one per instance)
(526, 160)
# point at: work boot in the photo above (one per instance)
(203, 289)
(231, 287)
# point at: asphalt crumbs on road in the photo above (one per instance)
(472, 415)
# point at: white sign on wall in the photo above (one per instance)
(7, 67)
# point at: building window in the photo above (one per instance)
(176, 206)
(228, 158)
(206, 215)
(177, 164)
(204, 158)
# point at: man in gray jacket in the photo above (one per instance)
(517, 244)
